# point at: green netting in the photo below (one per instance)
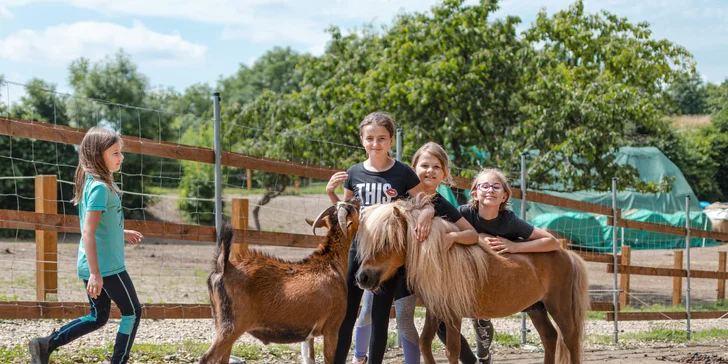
(592, 232)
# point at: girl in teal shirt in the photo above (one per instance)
(101, 250)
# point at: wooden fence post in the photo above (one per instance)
(240, 221)
(624, 278)
(46, 242)
(249, 178)
(677, 281)
(564, 244)
(721, 268)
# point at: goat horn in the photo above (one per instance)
(341, 214)
(324, 212)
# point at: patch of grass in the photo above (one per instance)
(23, 282)
(9, 298)
(391, 340)
(657, 332)
(690, 121)
(508, 340)
(201, 273)
(184, 352)
(721, 305)
(709, 334)
(600, 339)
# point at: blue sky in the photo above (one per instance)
(179, 42)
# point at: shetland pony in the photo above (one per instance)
(473, 281)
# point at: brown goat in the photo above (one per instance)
(280, 301)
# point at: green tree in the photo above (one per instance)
(716, 97)
(688, 95)
(22, 157)
(571, 86)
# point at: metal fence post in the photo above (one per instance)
(687, 262)
(615, 292)
(524, 331)
(218, 166)
(398, 156)
(398, 142)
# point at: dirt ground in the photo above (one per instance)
(713, 354)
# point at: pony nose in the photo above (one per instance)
(362, 279)
(366, 279)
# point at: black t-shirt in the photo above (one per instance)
(444, 209)
(506, 225)
(380, 187)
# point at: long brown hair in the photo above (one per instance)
(91, 160)
(502, 179)
(437, 151)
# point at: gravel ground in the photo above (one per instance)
(18, 332)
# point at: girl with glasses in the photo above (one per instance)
(504, 232)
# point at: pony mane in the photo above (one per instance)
(447, 281)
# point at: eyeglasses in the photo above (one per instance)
(497, 187)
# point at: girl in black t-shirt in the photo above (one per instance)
(379, 179)
(504, 232)
(430, 163)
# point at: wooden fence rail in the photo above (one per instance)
(47, 223)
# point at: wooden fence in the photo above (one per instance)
(47, 223)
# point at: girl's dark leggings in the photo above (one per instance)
(117, 288)
(483, 338)
(388, 292)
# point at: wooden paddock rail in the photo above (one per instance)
(47, 223)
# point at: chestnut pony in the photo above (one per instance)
(473, 281)
(278, 301)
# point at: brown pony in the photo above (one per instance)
(473, 281)
(280, 301)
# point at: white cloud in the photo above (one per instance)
(60, 44)
(5, 12)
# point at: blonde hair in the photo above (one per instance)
(378, 119)
(91, 160)
(502, 179)
(437, 151)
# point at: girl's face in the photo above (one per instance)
(490, 191)
(376, 140)
(113, 157)
(430, 171)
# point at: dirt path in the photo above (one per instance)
(659, 353)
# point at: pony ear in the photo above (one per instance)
(400, 216)
(397, 213)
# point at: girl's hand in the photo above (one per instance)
(449, 240)
(424, 224)
(133, 237)
(502, 245)
(335, 181)
(95, 283)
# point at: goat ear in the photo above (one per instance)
(309, 222)
(323, 222)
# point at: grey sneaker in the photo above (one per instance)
(39, 352)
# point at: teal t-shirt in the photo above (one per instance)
(97, 196)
